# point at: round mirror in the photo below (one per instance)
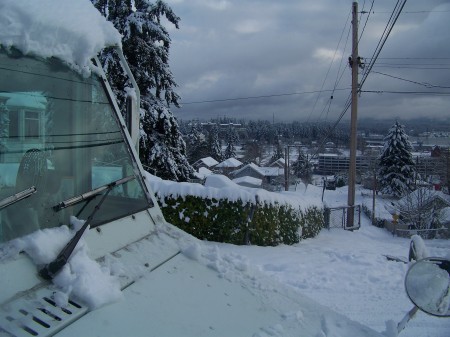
(427, 284)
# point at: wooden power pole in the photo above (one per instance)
(354, 62)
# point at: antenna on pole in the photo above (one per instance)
(354, 63)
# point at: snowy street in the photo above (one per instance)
(347, 272)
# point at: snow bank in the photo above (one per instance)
(220, 187)
(73, 31)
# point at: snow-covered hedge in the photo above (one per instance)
(222, 220)
(220, 211)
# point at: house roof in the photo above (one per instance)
(422, 194)
(263, 171)
(207, 161)
(446, 214)
(278, 162)
(248, 180)
(230, 162)
(202, 173)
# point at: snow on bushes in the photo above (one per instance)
(220, 212)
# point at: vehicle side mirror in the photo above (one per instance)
(427, 284)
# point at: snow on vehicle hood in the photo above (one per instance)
(73, 31)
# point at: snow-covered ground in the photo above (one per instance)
(348, 272)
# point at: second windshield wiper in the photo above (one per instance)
(8, 201)
(51, 269)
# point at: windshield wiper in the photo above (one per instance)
(8, 201)
(51, 269)
(87, 196)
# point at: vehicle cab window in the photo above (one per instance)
(59, 133)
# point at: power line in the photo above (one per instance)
(389, 26)
(387, 31)
(427, 85)
(329, 68)
(414, 58)
(411, 64)
(262, 96)
(400, 66)
(415, 12)
(367, 19)
(437, 93)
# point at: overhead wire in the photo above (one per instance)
(425, 84)
(329, 68)
(262, 96)
(387, 31)
(367, 19)
(389, 26)
(437, 93)
(338, 77)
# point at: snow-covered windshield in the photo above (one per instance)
(59, 134)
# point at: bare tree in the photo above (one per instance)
(253, 152)
(421, 209)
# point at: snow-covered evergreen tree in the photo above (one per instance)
(302, 168)
(215, 149)
(397, 169)
(232, 139)
(146, 44)
(197, 147)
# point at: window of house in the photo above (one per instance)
(31, 124)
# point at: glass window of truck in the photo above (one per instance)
(59, 134)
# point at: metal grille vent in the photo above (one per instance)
(37, 314)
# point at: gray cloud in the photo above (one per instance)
(239, 49)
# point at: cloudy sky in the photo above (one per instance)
(265, 59)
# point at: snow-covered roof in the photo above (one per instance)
(208, 161)
(219, 181)
(445, 213)
(424, 194)
(230, 162)
(73, 31)
(29, 100)
(248, 181)
(202, 173)
(279, 161)
(263, 171)
(328, 155)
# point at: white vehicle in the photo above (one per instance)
(84, 247)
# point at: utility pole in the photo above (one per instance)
(286, 168)
(354, 62)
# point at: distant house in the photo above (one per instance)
(423, 210)
(207, 162)
(425, 197)
(278, 163)
(228, 165)
(268, 175)
(202, 173)
(436, 152)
